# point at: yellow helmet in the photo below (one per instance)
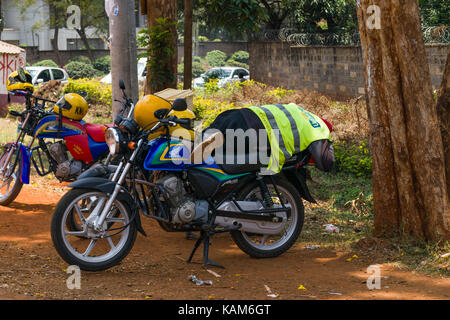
(73, 106)
(16, 81)
(144, 111)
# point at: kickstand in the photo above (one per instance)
(204, 237)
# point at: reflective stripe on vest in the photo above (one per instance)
(297, 127)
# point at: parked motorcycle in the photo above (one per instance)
(75, 145)
(95, 224)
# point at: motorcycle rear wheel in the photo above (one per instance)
(269, 246)
(10, 179)
(86, 248)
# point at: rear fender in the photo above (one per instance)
(107, 187)
(297, 177)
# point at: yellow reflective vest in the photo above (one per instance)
(291, 129)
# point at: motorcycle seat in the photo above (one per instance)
(96, 131)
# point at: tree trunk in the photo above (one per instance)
(409, 188)
(165, 9)
(56, 46)
(82, 33)
(187, 82)
(443, 106)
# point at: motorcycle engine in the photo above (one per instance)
(66, 168)
(183, 208)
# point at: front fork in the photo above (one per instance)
(14, 145)
(25, 155)
(96, 219)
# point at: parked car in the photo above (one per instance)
(41, 75)
(224, 74)
(141, 69)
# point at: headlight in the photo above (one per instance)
(115, 141)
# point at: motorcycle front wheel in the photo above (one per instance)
(10, 175)
(89, 249)
(269, 246)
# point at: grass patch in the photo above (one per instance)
(335, 194)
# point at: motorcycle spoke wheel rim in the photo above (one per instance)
(270, 242)
(86, 247)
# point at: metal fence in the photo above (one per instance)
(293, 37)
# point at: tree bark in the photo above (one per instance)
(187, 82)
(409, 188)
(82, 33)
(443, 110)
(165, 9)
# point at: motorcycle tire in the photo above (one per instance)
(67, 250)
(11, 193)
(260, 250)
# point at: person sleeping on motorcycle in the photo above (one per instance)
(299, 132)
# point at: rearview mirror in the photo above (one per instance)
(121, 84)
(22, 74)
(179, 105)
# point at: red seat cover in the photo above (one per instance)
(96, 131)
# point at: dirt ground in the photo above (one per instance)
(156, 269)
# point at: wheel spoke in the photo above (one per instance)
(80, 214)
(264, 238)
(90, 247)
(111, 243)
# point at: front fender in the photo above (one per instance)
(25, 177)
(98, 171)
(107, 187)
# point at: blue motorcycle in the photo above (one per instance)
(95, 224)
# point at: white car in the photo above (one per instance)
(141, 69)
(224, 74)
(41, 75)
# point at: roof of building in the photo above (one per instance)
(9, 48)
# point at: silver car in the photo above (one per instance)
(41, 75)
(224, 74)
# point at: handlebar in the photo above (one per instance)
(30, 95)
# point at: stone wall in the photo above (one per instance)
(335, 71)
(34, 55)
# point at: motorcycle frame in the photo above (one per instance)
(120, 177)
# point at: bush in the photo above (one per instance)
(208, 109)
(234, 63)
(83, 59)
(46, 63)
(353, 158)
(197, 69)
(97, 92)
(241, 56)
(78, 70)
(103, 64)
(216, 58)
(203, 38)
